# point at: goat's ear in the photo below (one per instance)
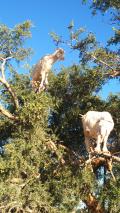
(59, 49)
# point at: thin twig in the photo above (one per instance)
(103, 62)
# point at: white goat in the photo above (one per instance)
(97, 125)
(42, 68)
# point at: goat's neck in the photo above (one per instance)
(53, 58)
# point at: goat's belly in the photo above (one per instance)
(91, 132)
(106, 127)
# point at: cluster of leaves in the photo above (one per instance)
(114, 7)
(32, 176)
(12, 40)
(113, 105)
(105, 5)
(105, 59)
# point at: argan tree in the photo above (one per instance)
(44, 165)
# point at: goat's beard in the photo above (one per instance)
(61, 58)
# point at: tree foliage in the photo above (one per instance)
(106, 58)
(114, 7)
(43, 161)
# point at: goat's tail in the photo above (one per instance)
(81, 115)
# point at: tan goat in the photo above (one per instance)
(42, 68)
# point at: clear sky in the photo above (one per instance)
(52, 15)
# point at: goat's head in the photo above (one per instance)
(59, 54)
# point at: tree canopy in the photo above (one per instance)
(44, 164)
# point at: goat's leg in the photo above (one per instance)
(46, 79)
(41, 86)
(105, 133)
(35, 86)
(87, 144)
(105, 149)
(98, 142)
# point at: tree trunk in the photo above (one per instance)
(93, 205)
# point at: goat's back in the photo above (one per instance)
(93, 121)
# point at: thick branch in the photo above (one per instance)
(14, 97)
(6, 84)
(3, 67)
(7, 114)
(115, 73)
(114, 158)
(104, 155)
(93, 205)
(105, 159)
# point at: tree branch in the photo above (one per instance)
(103, 155)
(14, 97)
(9, 89)
(7, 114)
(3, 67)
(102, 62)
(114, 72)
(113, 157)
(93, 205)
(103, 159)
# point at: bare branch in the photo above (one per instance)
(14, 97)
(102, 62)
(114, 158)
(3, 68)
(7, 58)
(103, 155)
(115, 73)
(3, 65)
(7, 114)
(6, 84)
(103, 159)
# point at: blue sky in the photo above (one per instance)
(52, 15)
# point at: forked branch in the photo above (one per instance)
(9, 89)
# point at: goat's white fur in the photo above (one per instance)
(42, 68)
(97, 125)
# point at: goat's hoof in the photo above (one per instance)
(98, 151)
(106, 151)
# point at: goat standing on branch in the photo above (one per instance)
(42, 68)
(97, 125)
